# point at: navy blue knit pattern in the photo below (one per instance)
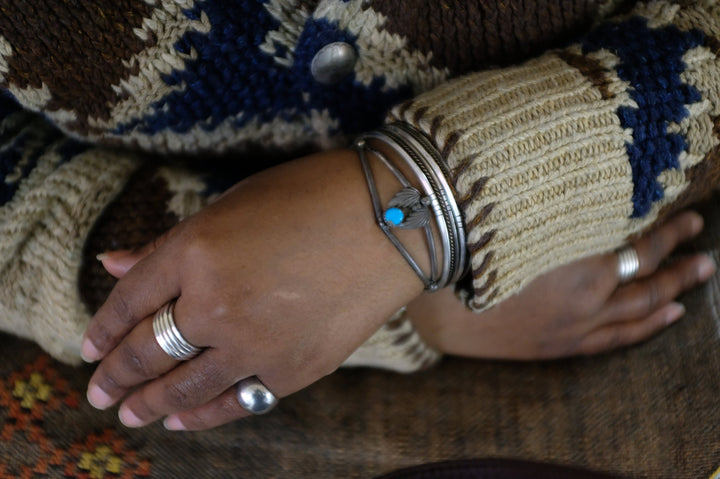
(18, 154)
(651, 61)
(24, 138)
(232, 76)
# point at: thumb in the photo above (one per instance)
(119, 262)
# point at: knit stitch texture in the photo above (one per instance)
(555, 159)
(573, 153)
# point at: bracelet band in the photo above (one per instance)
(409, 209)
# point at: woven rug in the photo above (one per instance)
(647, 411)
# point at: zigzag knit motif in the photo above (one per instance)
(573, 153)
(543, 154)
(51, 199)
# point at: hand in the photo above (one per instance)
(281, 278)
(577, 309)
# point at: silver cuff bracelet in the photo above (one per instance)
(409, 209)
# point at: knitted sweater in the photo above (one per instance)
(566, 155)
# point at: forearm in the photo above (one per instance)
(572, 153)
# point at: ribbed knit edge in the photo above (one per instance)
(539, 154)
(42, 233)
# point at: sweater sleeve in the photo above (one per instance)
(54, 188)
(61, 203)
(572, 153)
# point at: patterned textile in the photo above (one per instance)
(572, 153)
(648, 411)
(189, 77)
(564, 156)
(185, 75)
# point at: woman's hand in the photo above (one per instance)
(576, 309)
(282, 278)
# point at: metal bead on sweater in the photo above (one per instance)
(333, 62)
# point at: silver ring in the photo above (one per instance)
(628, 263)
(255, 397)
(168, 336)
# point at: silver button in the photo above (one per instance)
(333, 62)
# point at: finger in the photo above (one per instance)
(185, 387)
(221, 410)
(615, 335)
(655, 246)
(642, 297)
(137, 359)
(119, 262)
(137, 295)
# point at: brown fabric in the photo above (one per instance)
(77, 52)
(647, 411)
(482, 33)
(494, 469)
(136, 217)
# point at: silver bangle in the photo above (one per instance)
(414, 213)
(427, 165)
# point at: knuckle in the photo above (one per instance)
(101, 336)
(135, 360)
(196, 247)
(107, 382)
(178, 395)
(657, 247)
(212, 376)
(144, 409)
(653, 296)
(121, 305)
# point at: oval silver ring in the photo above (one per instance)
(255, 397)
(168, 336)
(628, 263)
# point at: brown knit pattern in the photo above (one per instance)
(75, 50)
(137, 216)
(468, 36)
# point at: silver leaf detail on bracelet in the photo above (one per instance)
(408, 209)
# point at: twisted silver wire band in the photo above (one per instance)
(428, 166)
(628, 263)
(430, 281)
(254, 396)
(168, 336)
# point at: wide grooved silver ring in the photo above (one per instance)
(628, 263)
(255, 397)
(168, 336)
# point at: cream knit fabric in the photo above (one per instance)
(42, 233)
(540, 157)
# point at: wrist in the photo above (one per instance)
(427, 204)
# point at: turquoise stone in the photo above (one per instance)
(394, 216)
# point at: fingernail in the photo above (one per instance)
(98, 398)
(128, 418)
(173, 423)
(101, 257)
(706, 268)
(673, 312)
(88, 352)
